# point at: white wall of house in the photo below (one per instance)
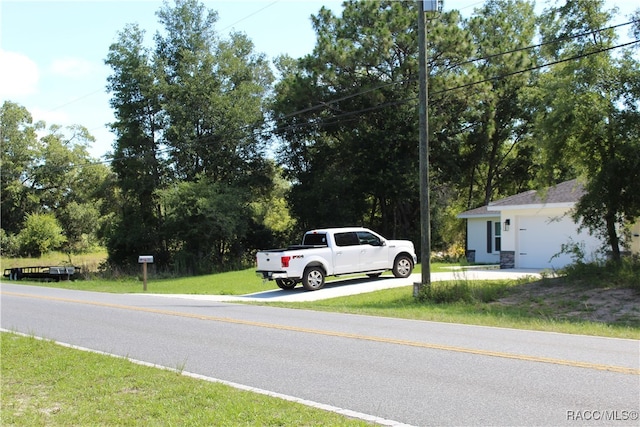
(477, 239)
(536, 236)
(635, 238)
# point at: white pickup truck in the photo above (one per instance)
(335, 252)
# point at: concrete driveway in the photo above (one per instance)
(358, 285)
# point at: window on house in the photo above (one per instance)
(497, 236)
(494, 231)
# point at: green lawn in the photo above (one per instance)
(231, 283)
(44, 384)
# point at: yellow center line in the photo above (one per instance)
(432, 346)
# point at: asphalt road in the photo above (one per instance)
(412, 372)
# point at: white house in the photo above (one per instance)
(528, 230)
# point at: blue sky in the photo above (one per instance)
(52, 52)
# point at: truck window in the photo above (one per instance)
(315, 239)
(346, 239)
(367, 238)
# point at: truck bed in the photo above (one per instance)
(293, 248)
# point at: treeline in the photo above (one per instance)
(54, 195)
(215, 157)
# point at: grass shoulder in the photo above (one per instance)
(506, 304)
(47, 384)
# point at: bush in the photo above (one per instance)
(9, 245)
(455, 253)
(447, 292)
(41, 233)
(466, 291)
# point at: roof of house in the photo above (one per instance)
(480, 212)
(566, 193)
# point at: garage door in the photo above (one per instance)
(540, 238)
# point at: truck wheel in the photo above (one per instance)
(313, 278)
(402, 266)
(286, 283)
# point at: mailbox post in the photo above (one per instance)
(144, 260)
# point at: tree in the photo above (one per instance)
(69, 183)
(589, 121)
(204, 222)
(80, 223)
(139, 168)
(347, 114)
(275, 227)
(189, 113)
(213, 92)
(53, 175)
(20, 153)
(498, 153)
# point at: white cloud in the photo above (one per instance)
(18, 75)
(72, 67)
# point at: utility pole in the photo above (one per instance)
(424, 6)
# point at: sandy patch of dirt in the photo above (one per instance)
(557, 300)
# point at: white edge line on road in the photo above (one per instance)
(345, 412)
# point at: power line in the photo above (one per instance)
(249, 16)
(484, 58)
(558, 40)
(338, 118)
(399, 102)
(329, 121)
(330, 103)
(537, 67)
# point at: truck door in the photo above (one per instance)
(346, 254)
(373, 255)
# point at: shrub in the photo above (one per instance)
(467, 291)
(9, 245)
(446, 292)
(41, 233)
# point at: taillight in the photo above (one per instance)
(285, 261)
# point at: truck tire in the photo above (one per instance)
(313, 278)
(286, 283)
(402, 266)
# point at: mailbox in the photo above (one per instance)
(144, 259)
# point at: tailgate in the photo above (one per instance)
(269, 261)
